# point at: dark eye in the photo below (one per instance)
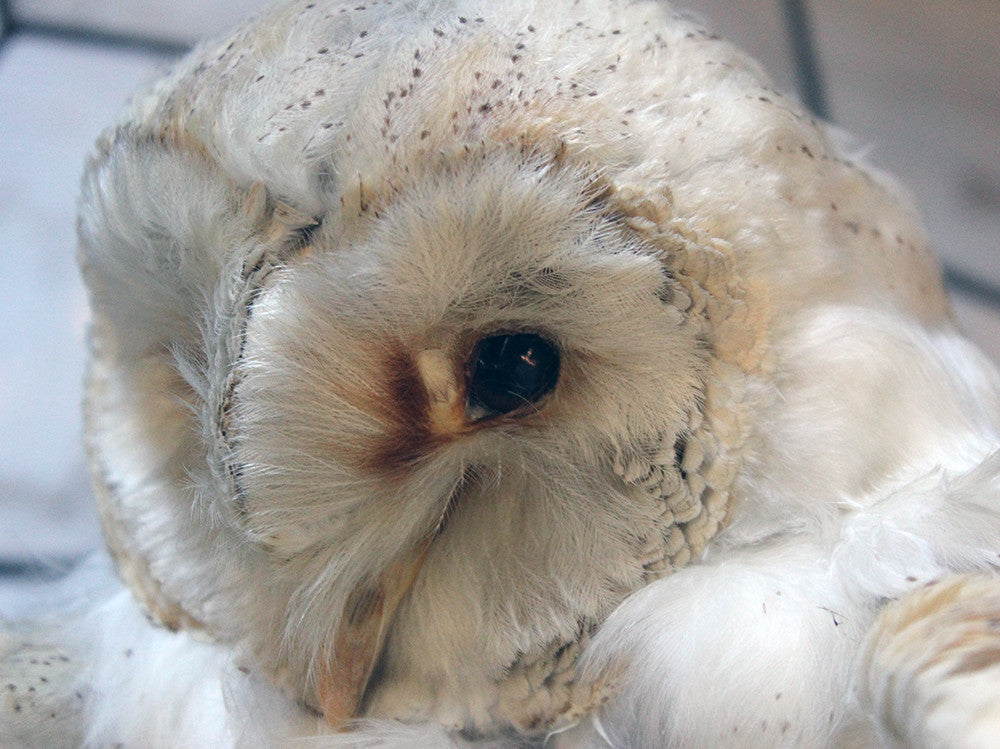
(510, 371)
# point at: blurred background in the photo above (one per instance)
(917, 82)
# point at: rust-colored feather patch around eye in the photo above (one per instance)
(421, 415)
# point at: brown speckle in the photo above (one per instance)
(362, 604)
(976, 660)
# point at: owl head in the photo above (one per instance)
(424, 334)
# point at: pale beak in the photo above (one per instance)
(371, 607)
(367, 618)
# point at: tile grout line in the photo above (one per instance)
(6, 21)
(94, 37)
(966, 284)
(808, 76)
(46, 568)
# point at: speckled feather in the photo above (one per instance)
(764, 425)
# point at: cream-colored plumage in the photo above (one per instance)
(308, 250)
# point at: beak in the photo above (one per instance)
(367, 618)
(371, 607)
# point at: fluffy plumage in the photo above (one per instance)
(764, 428)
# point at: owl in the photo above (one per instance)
(514, 374)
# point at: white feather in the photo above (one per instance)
(764, 426)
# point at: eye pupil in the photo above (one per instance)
(512, 370)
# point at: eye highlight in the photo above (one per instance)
(511, 370)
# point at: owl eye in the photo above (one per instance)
(512, 370)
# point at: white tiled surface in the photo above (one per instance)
(920, 83)
(54, 100)
(917, 82)
(924, 78)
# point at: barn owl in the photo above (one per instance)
(515, 374)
